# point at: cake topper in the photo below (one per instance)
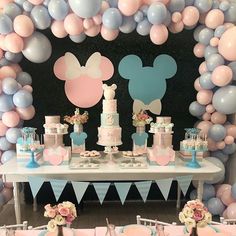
(109, 91)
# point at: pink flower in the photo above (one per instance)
(70, 218)
(197, 215)
(48, 207)
(51, 213)
(64, 211)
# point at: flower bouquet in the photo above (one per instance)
(141, 119)
(61, 214)
(77, 118)
(195, 214)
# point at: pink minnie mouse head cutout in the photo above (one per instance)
(83, 84)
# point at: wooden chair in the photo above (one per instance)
(149, 222)
(23, 226)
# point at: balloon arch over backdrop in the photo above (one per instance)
(216, 43)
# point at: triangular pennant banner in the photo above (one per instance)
(184, 182)
(35, 184)
(143, 188)
(164, 186)
(122, 190)
(79, 189)
(57, 186)
(101, 190)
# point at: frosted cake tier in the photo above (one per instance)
(108, 119)
(109, 106)
(109, 136)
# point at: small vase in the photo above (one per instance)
(78, 128)
(140, 149)
(194, 232)
(60, 230)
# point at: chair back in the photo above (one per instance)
(23, 226)
(150, 222)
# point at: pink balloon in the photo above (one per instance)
(14, 43)
(197, 85)
(59, 68)
(231, 211)
(73, 24)
(190, 16)
(84, 92)
(7, 71)
(218, 118)
(222, 188)
(10, 119)
(214, 18)
(176, 27)
(3, 3)
(211, 145)
(104, 7)
(204, 96)
(7, 193)
(88, 23)
(206, 116)
(227, 198)
(1, 53)
(210, 108)
(58, 29)
(176, 17)
(229, 140)
(214, 42)
(3, 128)
(16, 68)
(227, 44)
(204, 126)
(225, 214)
(222, 75)
(28, 88)
(23, 26)
(109, 34)
(231, 130)
(93, 31)
(107, 68)
(220, 145)
(128, 7)
(158, 34)
(26, 113)
(228, 25)
(97, 19)
(202, 68)
(36, 2)
(2, 42)
(199, 50)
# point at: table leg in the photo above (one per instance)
(35, 204)
(16, 194)
(178, 196)
(200, 189)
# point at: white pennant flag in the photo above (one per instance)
(57, 186)
(184, 182)
(143, 188)
(35, 184)
(164, 186)
(79, 189)
(122, 190)
(101, 190)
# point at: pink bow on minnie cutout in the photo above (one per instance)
(55, 156)
(83, 84)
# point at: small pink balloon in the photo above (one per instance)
(104, 7)
(7, 71)
(220, 145)
(231, 211)
(59, 68)
(199, 50)
(14, 43)
(109, 34)
(16, 68)
(197, 85)
(7, 193)
(225, 214)
(128, 7)
(28, 88)
(176, 27)
(158, 34)
(190, 15)
(3, 3)
(73, 24)
(36, 2)
(210, 108)
(26, 113)
(227, 198)
(23, 26)
(214, 42)
(93, 31)
(206, 116)
(10, 119)
(211, 145)
(2, 43)
(218, 118)
(204, 126)
(204, 96)
(88, 23)
(222, 188)
(3, 129)
(97, 19)
(214, 18)
(8, 185)
(58, 29)
(222, 75)
(202, 68)
(228, 25)
(176, 17)
(229, 140)
(231, 130)
(227, 44)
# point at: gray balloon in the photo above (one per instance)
(12, 10)
(224, 100)
(205, 81)
(217, 132)
(13, 57)
(205, 36)
(144, 27)
(219, 31)
(144, 9)
(20, 2)
(138, 16)
(220, 155)
(156, 13)
(214, 61)
(203, 5)
(229, 149)
(78, 38)
(232, 65)
(224, 6)
(128, 25)
(6, 25)
(168, 19)
(196, 109)
(209, 50)
(24, 78)
(37, 48)
(176, 5)
(215, 4)
(112, 18)
(197, 31)
(58, 9)
(27, 6)
(4, 62)
(189, 2)
(230, 14)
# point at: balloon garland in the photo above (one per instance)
(78, 19)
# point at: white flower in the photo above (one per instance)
(60, 220)
(52, 226)
(182, 217)
(188, 212)
(190, 223)
(68, 204)
(202, 224)
(208, 217)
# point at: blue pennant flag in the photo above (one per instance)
(57, 186)
(101, 190)
(164, 186)
(35, 184)
(80, 189)
(184, 182)
(143, 188)
(122, 190)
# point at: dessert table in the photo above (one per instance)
(16, 172)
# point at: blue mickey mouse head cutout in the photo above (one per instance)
(147, 85)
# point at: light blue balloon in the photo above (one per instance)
(20, 2)
(128, 25)
(2, 200)
(157, 13)
(6, 25)
(58, 9)
(224, 100)
(13, 57)
(230, 14)
(40, 17)
(12, 10)
(215, 4)
(219, 31)
(215, 206)
(176, 5)
(203, 5)
(189, 2)
(205, 81)
(27, 6)
(138, 16)
(208, 192)
(233, 191)
(7, 156)
(168, 19)
(205, 35)
(4, 144)
(144, 9)
(112, 18)
(214, 61)
(229, 149)
(197, 32)
(220, 155)
(144, 27)
(193, 194)
(1, 185)
(13, 134)
(224, 6)
(113, 3)
(46, 2)
(85, 9)
(22, 98)
(217, 132)
(209, 50)
(232, 65)
(6, 103)
(9, 86)
(78, 38)
(4, 62)
(24, 78)
(196, 109)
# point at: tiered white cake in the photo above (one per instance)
(109, 133)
